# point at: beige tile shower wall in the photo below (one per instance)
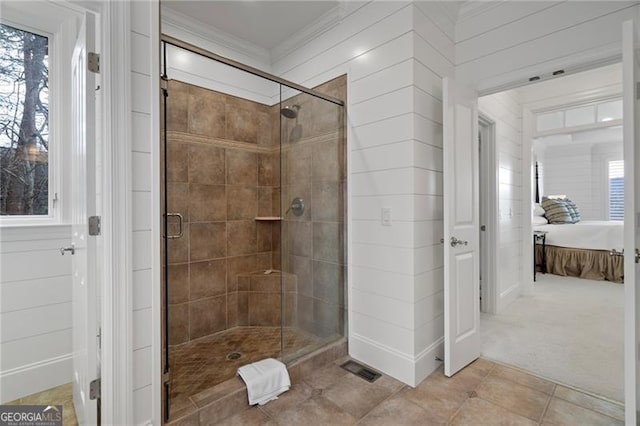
(222, 173)
(314, 168)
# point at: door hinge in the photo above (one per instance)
(93, 62)
(164, 83)
(94, 389)
(166, 377)
(94, 226)
(637, 256)
(637, 90)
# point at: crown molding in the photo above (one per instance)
(222, 38)
(321, 25)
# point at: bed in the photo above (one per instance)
(583, 250)
(576, 248)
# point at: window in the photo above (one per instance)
(616, 190)
(594, 115)
(24, 123)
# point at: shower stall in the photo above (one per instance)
(254, 207)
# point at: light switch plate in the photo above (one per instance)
(385, 214)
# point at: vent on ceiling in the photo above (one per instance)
(361, 371)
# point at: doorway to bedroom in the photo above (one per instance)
(567, 325)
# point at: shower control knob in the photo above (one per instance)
(297, 206)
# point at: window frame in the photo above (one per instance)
(54, 216)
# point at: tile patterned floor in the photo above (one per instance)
(202, 363)
(484, 393)
(60, 395)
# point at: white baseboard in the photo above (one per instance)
(406, 368)
(426, 362)
(36, 377)
(507, 297)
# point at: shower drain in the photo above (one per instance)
(234, 355)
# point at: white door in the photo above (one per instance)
(461, 227)
(630, 77)
(83, 199)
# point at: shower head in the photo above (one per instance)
(290, 111)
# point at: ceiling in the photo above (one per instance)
(263, 23)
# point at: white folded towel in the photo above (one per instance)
(265, 380)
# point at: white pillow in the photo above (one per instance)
(539, 220)
(538, 210)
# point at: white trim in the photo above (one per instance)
(198, 29)
(59, 37)
(575, 129)
(28, 379)
(427, 361)
(404, 367)
(516, 82)
(509, 295)
(630, 146)
(526, 279)
(489, 208)
(116, 356)
(588, 97)
(295, 41)
(156, 244)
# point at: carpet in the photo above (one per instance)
(570, 331)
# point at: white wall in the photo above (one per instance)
(580, 171)
(35, 281)
(505, 110)
(395, 56)
(35, 310)
(145, 185)
(513, 41)
(200, 71)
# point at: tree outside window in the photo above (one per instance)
(24, 123)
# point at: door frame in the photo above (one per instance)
(113, 23)
(488, 162)
(528, 134)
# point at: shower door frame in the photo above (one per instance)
(163, 80)
(167, 39)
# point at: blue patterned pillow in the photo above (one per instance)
(556, 211)
(573, 210)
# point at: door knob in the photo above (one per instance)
(72, 249)
(456, 242)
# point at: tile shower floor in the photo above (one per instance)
(484, 393)
(203, 363)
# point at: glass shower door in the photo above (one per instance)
(313, 206)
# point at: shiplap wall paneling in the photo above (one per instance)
(395, 55)
(35, 310)
(580, 171)
(516, 40)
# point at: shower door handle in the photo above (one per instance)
(180, 228)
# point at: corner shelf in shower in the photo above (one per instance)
(268, 218)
